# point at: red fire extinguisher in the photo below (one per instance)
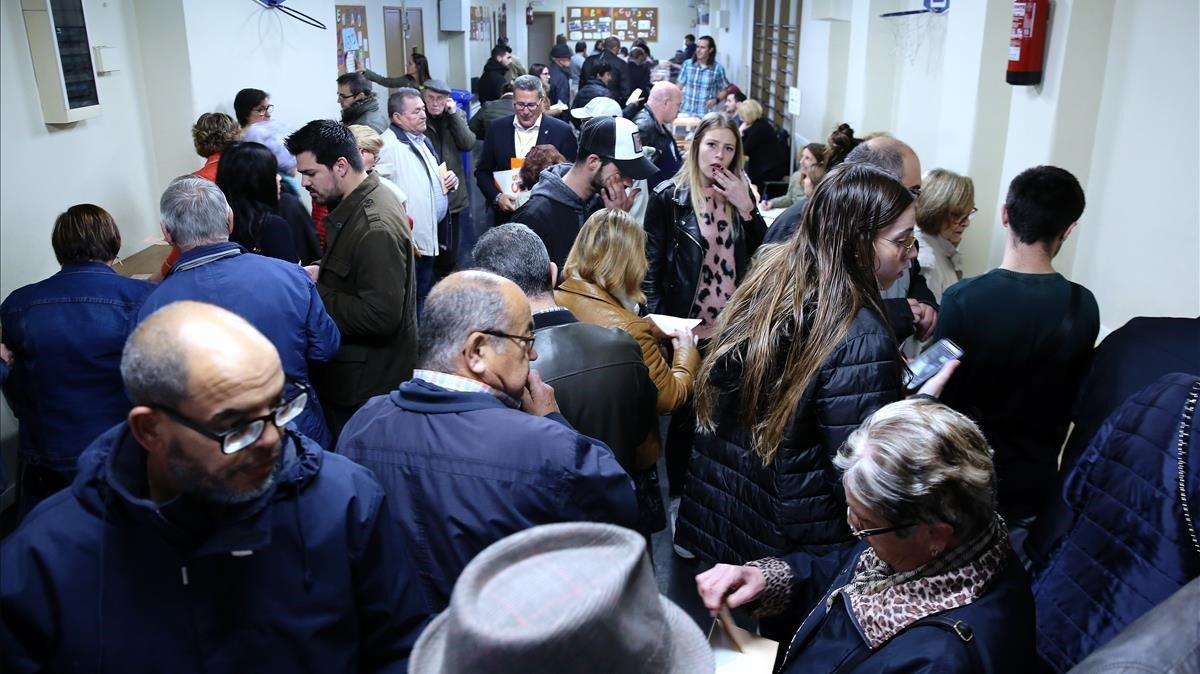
(529, 15)
(1027, 41)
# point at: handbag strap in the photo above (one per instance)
(1185, 428)
(963, 631)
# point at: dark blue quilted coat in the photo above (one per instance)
(1117, 541)
(735, 509)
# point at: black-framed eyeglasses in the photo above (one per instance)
(248, 432)
(966, 217)
(864, 534)
(264, 110)
(522, 340)
(342, 97)
(527, 106)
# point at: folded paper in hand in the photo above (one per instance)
(673, 324)
(506, 181)
(738, 651)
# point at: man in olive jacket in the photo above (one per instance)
(366, 277)
(446, 127)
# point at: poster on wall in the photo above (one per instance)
(353, 47)
(481, 24)
(623, 23)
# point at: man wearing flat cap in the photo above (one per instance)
(446, 128)
(560, 74)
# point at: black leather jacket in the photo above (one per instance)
(675, 252)
(600, 381)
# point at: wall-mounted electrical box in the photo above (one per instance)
(454, 15)
(62, 59)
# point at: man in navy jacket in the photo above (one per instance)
(512, 137)
(473, 448)
(202, 536)
(283, 304)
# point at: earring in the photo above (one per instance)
(936, 552)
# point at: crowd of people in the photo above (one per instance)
(372, 434)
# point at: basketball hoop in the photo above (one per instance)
(918, 34)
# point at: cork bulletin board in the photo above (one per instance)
(353, 48)
(624, 23)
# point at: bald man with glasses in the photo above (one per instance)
(203, 528)
(473, 448)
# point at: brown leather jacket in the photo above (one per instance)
(592, 304)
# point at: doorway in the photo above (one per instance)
(541, 38)
(404, 34)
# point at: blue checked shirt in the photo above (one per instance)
(700, 84)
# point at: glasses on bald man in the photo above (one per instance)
(248, 432)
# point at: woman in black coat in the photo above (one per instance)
(249, 176)
(766, 157)
(934, 584)
(702, 228)
(802, 354)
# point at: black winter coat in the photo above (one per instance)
(618, 85)
(676, 254)
(491, 82)
(735, 509)
(586, 93)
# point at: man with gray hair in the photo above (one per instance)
(410, 160)
(276, 297)
(473, 448)
(510, 138)
(600, 378)
(230, 535)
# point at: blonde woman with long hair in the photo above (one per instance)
(602, 284)
(702, 228)
(802, 354)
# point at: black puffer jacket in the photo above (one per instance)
(676, 254)
(735, 510)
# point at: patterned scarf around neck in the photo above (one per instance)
(884, 602)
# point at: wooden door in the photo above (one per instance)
(393, 39)
(541, 38)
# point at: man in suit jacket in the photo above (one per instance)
(512, 137)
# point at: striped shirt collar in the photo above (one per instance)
(453, 382)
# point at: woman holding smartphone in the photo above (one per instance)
(802, 354)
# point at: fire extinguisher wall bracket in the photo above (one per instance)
(1027, 42)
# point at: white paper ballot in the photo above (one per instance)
(673, 324)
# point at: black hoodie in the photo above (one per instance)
(495, 74)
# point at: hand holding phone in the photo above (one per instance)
(929, 363)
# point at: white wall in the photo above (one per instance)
(1118, 108)
(234, 44)
(107, 160)
(1139, 239)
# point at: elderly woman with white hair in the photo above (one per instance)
(932, 585)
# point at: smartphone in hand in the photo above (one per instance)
(930, 363)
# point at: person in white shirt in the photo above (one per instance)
(944, 211)
(409, 159)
